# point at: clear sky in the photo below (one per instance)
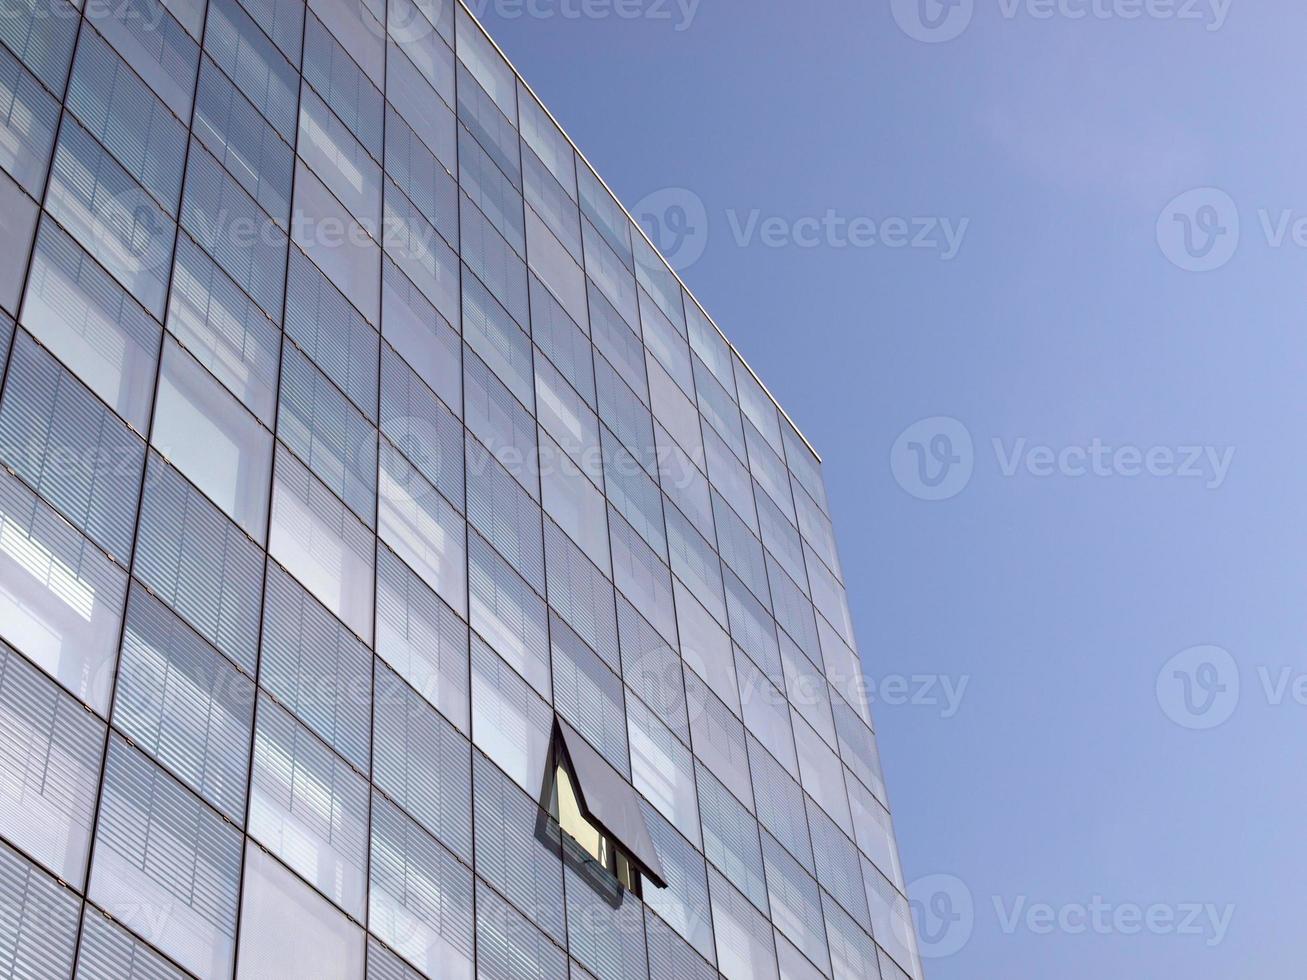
(1102, 818)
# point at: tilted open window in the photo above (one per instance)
(599, 810)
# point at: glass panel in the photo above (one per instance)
(155, 45)
(29, 116)
(422, 638)
(38, 934)
(158, 848)
(184, 704)
(289, 930)
(66, 443)
(91, 324)
(420, 901)
(210, 437)
(246, 56)
(422, 528)
(309, 807)
(510, 722)
(316, 668)
(200, 563)
(50, 756)
(224, 329)
(110, 952)
(422, 763)
(111, 216)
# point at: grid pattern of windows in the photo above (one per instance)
(350, 434)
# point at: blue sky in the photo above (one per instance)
(1144, 496)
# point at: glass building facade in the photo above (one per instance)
(354, 439)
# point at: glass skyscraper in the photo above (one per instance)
(400, 574)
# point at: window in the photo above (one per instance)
(501, 423)
(38, 935)
(42, 34)
(505, 514)
(652, 669)
(744, 936)
(66, 443)
(510, 722)
(326, 431)
(424, 180)
(110, 952)
(224, 329)
(493, 193)
(486, 64)
(339, 160)
(496, 337)
(333, 333)
(316, 668)
(662, 769)
(412, 243)
(659, 282)
(547, 140)
(489, 115)
(580, 593)
(422, 638)
(29, 116)
(49, 766)
(111, 216)
(422, 336)
(342, 247)
(184, 704)
(780, 804)
(718, 738)
(422, 763)
(420, 900)
(200, 563)
(222, 217)
(551, 202)
(422, 528)
(309, 807)
(155, 45)
(672, 956)
(489, 256)
(111, 101)
(289, 930)
(423, 42)
(605, 214)
(246, 56)
(91, 324)
(823, 777)
(837, 863)
(17, 225)
(563, 342)
(509, 947)
(342, 84)
(597, 808)
(508, 614)
(517, 847)
(61, 600)
(421, 427)
(730, 838)
(209, 436)
(157, 846)
(589, 695)
(613, 278)
(683, 904)
(431, 119)
(281, 20)
(325, 546)
(359, 28)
